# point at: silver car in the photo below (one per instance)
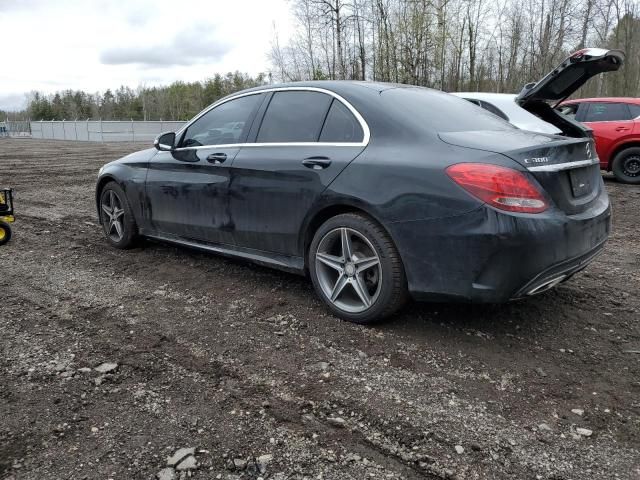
(504, 105)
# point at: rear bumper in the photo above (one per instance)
(487, 256)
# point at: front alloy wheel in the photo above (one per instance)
(116, 217)
(356, 269)
(114, 213)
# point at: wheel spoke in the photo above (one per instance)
(338, 287)
(112, 200)
(117, 213)
(361, 289)
(347, 249)
(118, 225)
(363, 264)
(107, 210)
(330, 260)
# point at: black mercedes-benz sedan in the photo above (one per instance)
(377, 191)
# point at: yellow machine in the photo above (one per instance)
(6, 215)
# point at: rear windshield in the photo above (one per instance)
(440, 112)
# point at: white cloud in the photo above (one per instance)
(196, 44)
(98, 44)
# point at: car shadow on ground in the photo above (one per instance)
(418, 319)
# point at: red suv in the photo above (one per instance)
(616, 127)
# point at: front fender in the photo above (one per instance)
(130, 173)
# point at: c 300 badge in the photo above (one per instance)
(536, 160)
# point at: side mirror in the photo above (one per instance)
(165, 141)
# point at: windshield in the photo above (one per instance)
(441, 112)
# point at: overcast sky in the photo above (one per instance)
(50, 45)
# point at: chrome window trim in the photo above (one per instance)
(565, 166)
(365, 127)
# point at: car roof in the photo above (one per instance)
(337, 86)
(606, 100)
(485, 95)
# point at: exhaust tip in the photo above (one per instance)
(547, 285)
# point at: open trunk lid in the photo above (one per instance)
(567, 169)
(563, 81)
(570, 75)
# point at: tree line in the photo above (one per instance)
(452, 45)
(457, 45)
(178, 101)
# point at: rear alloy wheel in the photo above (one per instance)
(356, 269)
(626, 165)
(116, 217)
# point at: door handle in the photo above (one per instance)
(622, 129)
(317, 163)
(217, 158)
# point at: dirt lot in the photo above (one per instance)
(244, 364)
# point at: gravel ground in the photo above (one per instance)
(111, 361)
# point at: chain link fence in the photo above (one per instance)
(89, 130)
(102, 131)
(15, 128)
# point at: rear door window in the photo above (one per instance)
(294, 116)
(635, 110)
(341, 126)
(607, 112)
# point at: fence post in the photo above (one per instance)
(64, 131)
(160, 126)
(29, 124)
(41, 129)
(88, 133)
(75, 127)
(133, 133)
(101, 131)
(53, 132)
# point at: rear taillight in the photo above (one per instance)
(500, 187)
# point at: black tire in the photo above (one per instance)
(5, 233)
(128, 222)
(626, 166)
(392, 293)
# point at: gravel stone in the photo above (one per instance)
(106, 367)
(263, 461)
(337, 422)
(166, 474)
(188, 463)
(239, 463)
(179, 455)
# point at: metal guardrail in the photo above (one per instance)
(101, 131)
